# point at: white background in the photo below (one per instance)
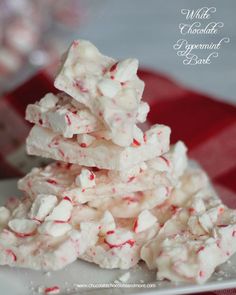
(147, 29)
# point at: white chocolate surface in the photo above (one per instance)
(102, 154)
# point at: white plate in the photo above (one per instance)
(16, 281)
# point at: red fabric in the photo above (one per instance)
(207, 126)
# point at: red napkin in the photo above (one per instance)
(207, 126)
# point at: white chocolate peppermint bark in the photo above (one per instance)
(101, 154)
(53, 241)
(198, 236)
(190, 251)
(65, 180)
(110, 89)
(82, 60)
(120, 247)
(63, 115)
(42, 240)
(118, 195)
(132, 204)
(155, 233)
(69, 180)
(57, 113)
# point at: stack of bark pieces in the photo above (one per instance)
(115, 194)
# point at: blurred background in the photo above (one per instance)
(33, 34)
